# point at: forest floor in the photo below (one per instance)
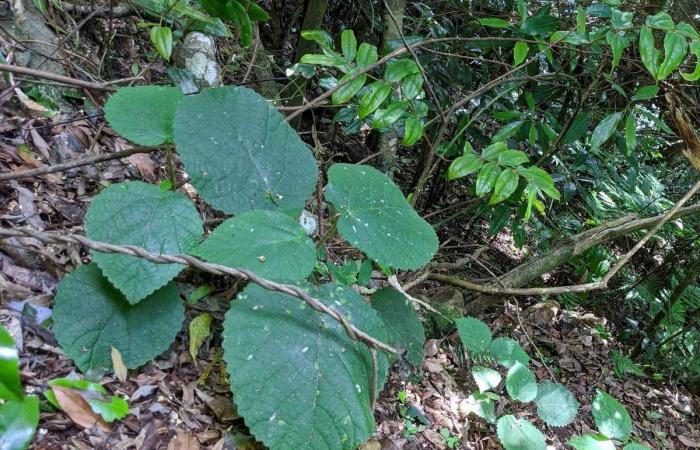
(177, 403)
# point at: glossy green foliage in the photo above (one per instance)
(611, 417)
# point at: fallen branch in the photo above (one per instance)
(55, 77)
(73, 164)
(216, 269)
(510, 282)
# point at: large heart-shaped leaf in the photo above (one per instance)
(268, 242)
(611, 417)
(519, 434)
(315, 380)
(377, 219)
(241, 154)
(141, 214)
(10, 386)
(18, 420)
(404, 328)
(556, 406)
(144, 114)
(140, 332)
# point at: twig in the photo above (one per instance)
(216, 269)
(72, 164)
(55, 77)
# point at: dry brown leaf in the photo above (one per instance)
(144, 165)
(689, 442)
(183, 440)
(78, 409)
(120, 369)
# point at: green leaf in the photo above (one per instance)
(493, 151)
(10, 385)
(199, 330)
(485, 378)
(520, 52)
(645, 93)
(270, 243)
(348, 88)
(411, 86)
(662, 20)
(675, 50)
(18, 421)
(578, 128)
(317, 380)
(507, 131)
(592, 442)
(635, 446)
(413, 131)
(463, 166)
(556, 406)
(499, 219)
(376, 218)
(400, 69)
(140, 332)
(141, 214)
(506, 184)
(605, 129)
(481, 405)
(512, 158)
(162, 40)
(348, 44)
(110, 407)
(386, 117)
(366, 55)
(144, 114)
(695, 75)
(621, 20)
(521, 383)
(631, 132)
(611, 417)
(486, 180)
(232, 141)
(542, 180)
(320, 37)
(508, 351)
(539, 25)
(243, 24)
(494, 22)
(403, 326)
(474, 334)
(377, 92)
(648, 51)
(618, 44)
(519, 434)
(218, 8)
(323, 60)
(256, 13)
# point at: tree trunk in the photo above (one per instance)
(387, 143)
(313, 19)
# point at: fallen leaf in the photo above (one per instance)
(78, 409)
(144, 165)
(199, 330)
(120, 369)
(183, 440)
(689, 442)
